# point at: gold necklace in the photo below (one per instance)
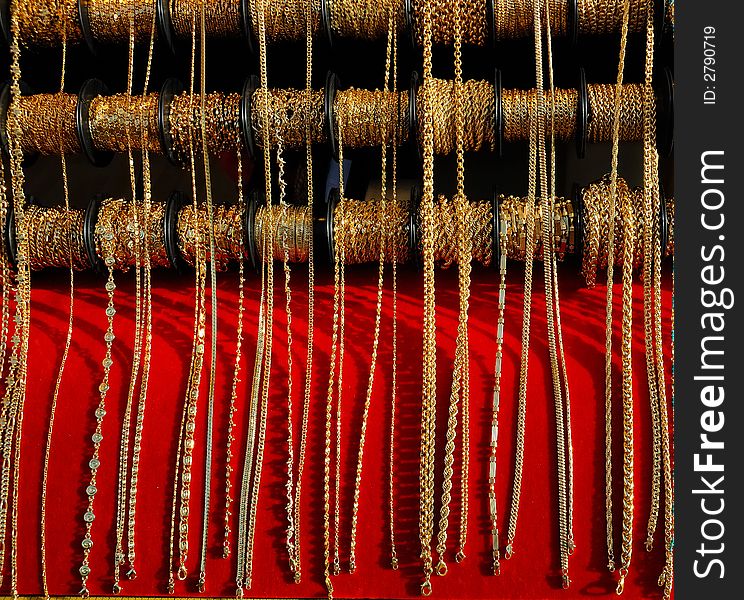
(180, 508)
(226, 550)
(65, 352)
(429, 381)
(382, 215)
(245, 489)
(295, 561)
(107, 248)
(341, 352)
(147, 302)
(529, 245)
(503, 234)
(212, 307)
(124, 448)
(394, 358)
(652, 261)
(551, 287)
(461, 366)
(609, 316)
(265, 368)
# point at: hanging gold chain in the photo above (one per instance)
(295, 557)
(609, 297)
(429, 383)
(65, 352)
(382, 213)
(394, 358)
(529, 244)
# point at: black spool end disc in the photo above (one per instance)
(90, 220)
(11, 245)
(414, 227)
(90, 89)
(664, 85)
(173, 207)
(329, 116)
(5, 30)
(5, 96)
(249, 230)
(413, 120)
(496, 229)
(84, 17)
(409, 20)
(320, 235)
(165, 24)
(245, 115)
(578, 207)
(660, 14)
(170, 88)
(572, 22)
(498, 114)
(327, 21)
(246, 21)
(491, 22)
(333, 199)
(582, 115)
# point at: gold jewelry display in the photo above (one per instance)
(358, 19)
(370, 117)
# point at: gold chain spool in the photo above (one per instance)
(193, 225)
(221, 123)
(120, 121)
(290, 223)
(473, 21)
(290, 111)
(56, 236)
(48, 22)
(365, 19)
(110, 20)
(360, 230)
(222, 17)
(371, 117)
(47, 123)
(116, 229)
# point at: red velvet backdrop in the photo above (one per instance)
(533, 572)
